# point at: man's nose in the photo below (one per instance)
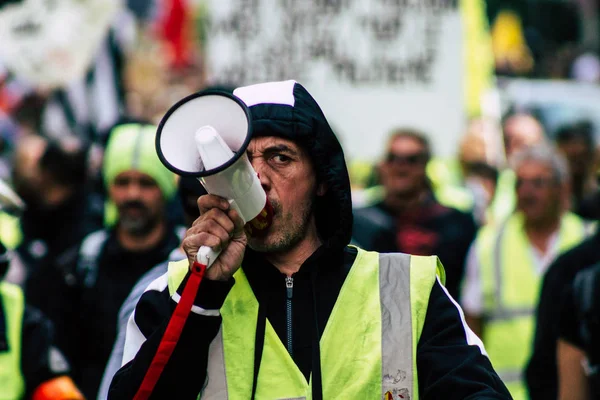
(263, 176)
(133, 190)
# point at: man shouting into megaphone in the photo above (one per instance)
(297, 312)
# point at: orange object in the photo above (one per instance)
(60, 388)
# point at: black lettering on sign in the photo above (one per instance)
(375, 42)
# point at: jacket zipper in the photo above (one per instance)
(289, 285)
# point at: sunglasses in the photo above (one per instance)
(536, 183)
(407, 159)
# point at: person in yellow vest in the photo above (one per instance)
(506, 262)
(298, 313)
(519, 130)
(31, 366)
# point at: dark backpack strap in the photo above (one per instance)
(89, 254)
(586, 294)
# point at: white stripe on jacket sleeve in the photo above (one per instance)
(134, 338)
(470, 336)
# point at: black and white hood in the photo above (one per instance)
(287, 110)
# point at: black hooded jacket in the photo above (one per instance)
(448, 366)
(541, 372)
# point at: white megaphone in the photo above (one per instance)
(205, 135)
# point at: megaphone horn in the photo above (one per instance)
(176, 135)
(206, 135)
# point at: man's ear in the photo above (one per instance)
(322, 189)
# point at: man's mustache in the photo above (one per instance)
(133, 205)
(276, 206)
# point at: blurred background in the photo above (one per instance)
(429, 98)
(77, 67)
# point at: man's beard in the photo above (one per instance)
(139, 225)
(292, 234)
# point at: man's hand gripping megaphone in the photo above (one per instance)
(235, 206)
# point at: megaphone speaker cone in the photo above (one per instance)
(176, 143)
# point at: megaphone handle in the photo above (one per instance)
(207, 256)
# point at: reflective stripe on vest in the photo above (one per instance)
(12, 383)
(381, 309)
(504, 201)
(511, 288)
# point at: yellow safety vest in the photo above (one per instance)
(12, 383)
(511, 288)
(504, 201)
(10, 230)
(380, 310)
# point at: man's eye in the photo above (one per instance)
(121, 182)
(147, 183)
(280, 158)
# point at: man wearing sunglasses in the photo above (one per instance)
(409, 218)
(507, 261)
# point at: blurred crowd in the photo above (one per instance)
(513, 216)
